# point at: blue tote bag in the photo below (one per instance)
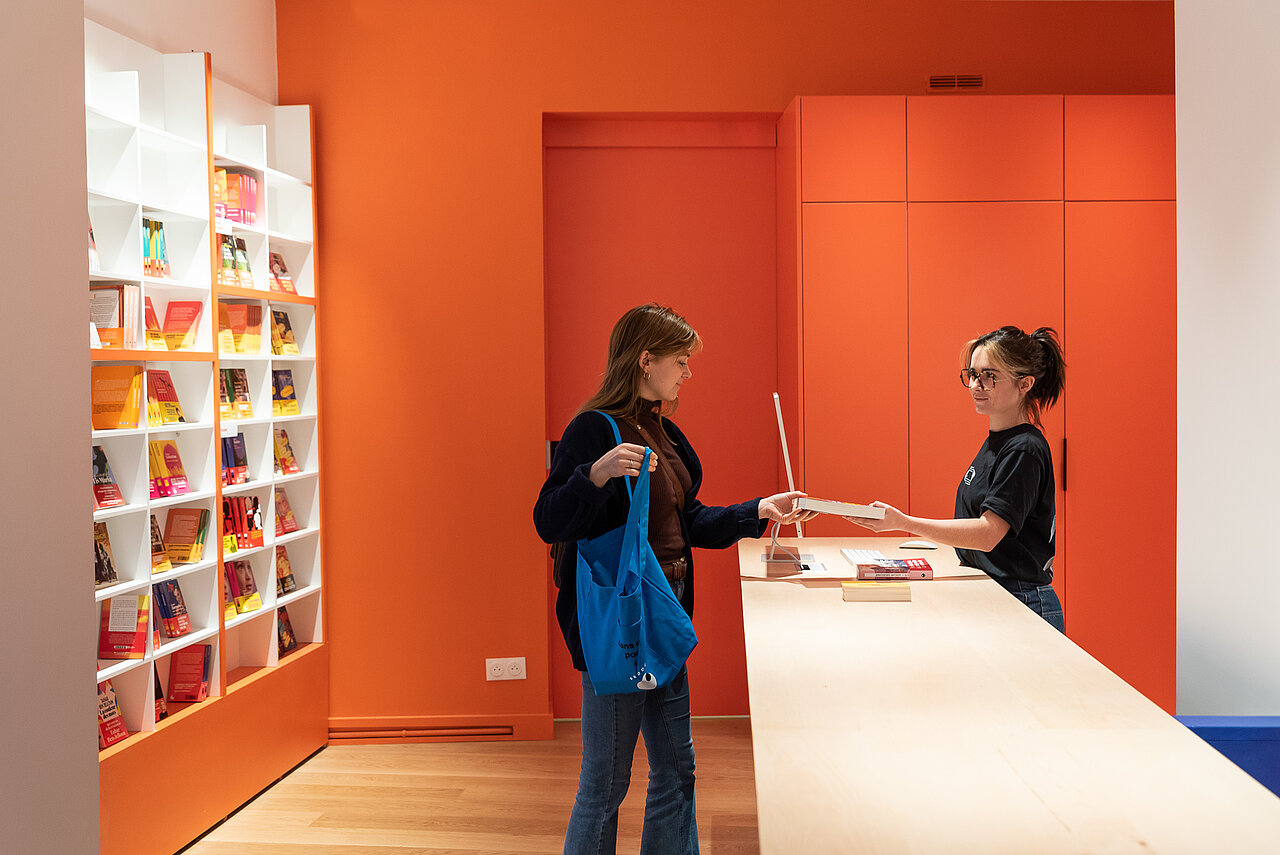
(635, 634)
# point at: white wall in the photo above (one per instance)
(1228, 80)
(240, 35)
(48, 635)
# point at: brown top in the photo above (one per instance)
(668, 485)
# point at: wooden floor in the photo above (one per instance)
(502, 798)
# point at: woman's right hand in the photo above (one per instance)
(624, 459)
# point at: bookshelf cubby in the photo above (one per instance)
(158, 127)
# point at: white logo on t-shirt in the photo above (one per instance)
(970, 475)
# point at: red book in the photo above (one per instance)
(895, 570)
(122, 633)
(189, 674)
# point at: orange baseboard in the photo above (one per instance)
(362, 730)
(168, 787)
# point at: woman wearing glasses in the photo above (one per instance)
(1005, 513)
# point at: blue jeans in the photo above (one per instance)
(610, 726)
(1041, 599)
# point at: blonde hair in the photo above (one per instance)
(651, 327)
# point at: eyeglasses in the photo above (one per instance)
(986, 378)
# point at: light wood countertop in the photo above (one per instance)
(961, 722)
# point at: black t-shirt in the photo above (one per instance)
(1012, 477)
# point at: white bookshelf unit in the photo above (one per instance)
(158, 127)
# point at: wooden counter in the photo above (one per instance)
(961, 722)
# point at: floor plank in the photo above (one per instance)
(475, 798)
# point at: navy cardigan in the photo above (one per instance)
(570, 507)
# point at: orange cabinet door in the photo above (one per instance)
(1119, 147)
(855, 356)
(854, 148)
(1121, 268)
(974, 267)
(988, 148)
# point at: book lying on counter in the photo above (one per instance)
(840, 509)
(894, 569)
(875, 592)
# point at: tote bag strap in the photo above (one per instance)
(617, 440)
(636, 535)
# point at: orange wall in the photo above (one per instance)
(429, 185)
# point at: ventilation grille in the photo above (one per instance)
(955, 82)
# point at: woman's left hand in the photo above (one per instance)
(781, 508)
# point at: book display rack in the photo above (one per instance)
(162, 137)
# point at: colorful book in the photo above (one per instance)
(113, 309)
(234, 390)
(286, 461)
(895, 569)
(243, 271)
(111, 728)
(116, 395)
(228, 596)
(280, 278)
(106, 492)
(243, 586)
(175, 621)
(285, 520)
(189, 674)
(122, 632)
(283, 341)
(875, 592)
(160, 388)
(284, 400)
(219, 193)
(235, 460)
(155, 332)
(227, 276)
(185, 530)
(285, 583)
(286, 638)
(104, 563)
(160, 562)
(181, 323)
(162, 709)
(167, 471)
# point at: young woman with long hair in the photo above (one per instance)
(584, 497)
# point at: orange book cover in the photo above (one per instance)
(280, 278)
(189, 674)
(122, 633)
(181, 322)
(116, 395)
(183, 539)
(160, 562)
(111, 727)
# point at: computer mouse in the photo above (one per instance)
(917, 544)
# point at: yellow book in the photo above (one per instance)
(116, 395)
(876, 592)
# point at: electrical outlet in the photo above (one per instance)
(510, 668)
